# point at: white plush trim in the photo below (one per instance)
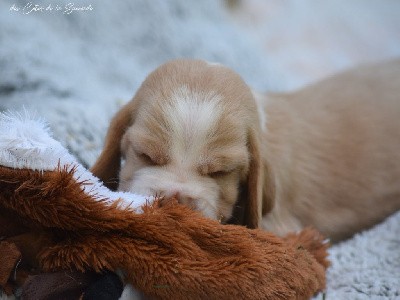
(26, 143)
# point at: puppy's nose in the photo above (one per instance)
(166, 197)
(181, 198)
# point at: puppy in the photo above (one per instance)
(192, 133)
(327, 156)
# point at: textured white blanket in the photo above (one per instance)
(26, 143)
(75, 70)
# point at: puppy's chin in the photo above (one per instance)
(199, 193)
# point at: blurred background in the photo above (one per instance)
(76, 64)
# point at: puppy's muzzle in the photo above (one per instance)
(180, 198)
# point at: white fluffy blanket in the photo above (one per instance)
(75, 70)
(26, 142)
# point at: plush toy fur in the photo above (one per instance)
(55, 221)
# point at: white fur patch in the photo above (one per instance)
(192, 115)
(261, 100)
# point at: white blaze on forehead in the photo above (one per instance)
(261, 101)
(192, 116)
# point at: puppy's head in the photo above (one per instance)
(191, 132)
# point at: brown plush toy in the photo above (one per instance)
(58, 219)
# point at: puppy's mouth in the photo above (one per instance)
(187, 201)
(200, 205)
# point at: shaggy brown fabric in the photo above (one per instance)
(9, 257)
(168, 252)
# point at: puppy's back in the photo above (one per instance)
(340, 149)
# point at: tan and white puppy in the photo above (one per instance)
(192, 133)
(326, 156)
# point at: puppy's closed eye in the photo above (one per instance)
(147, 159)
(216, 171)
(218, 174)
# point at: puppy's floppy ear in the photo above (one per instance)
(257, 191)
(249, 205)
(108, 165)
